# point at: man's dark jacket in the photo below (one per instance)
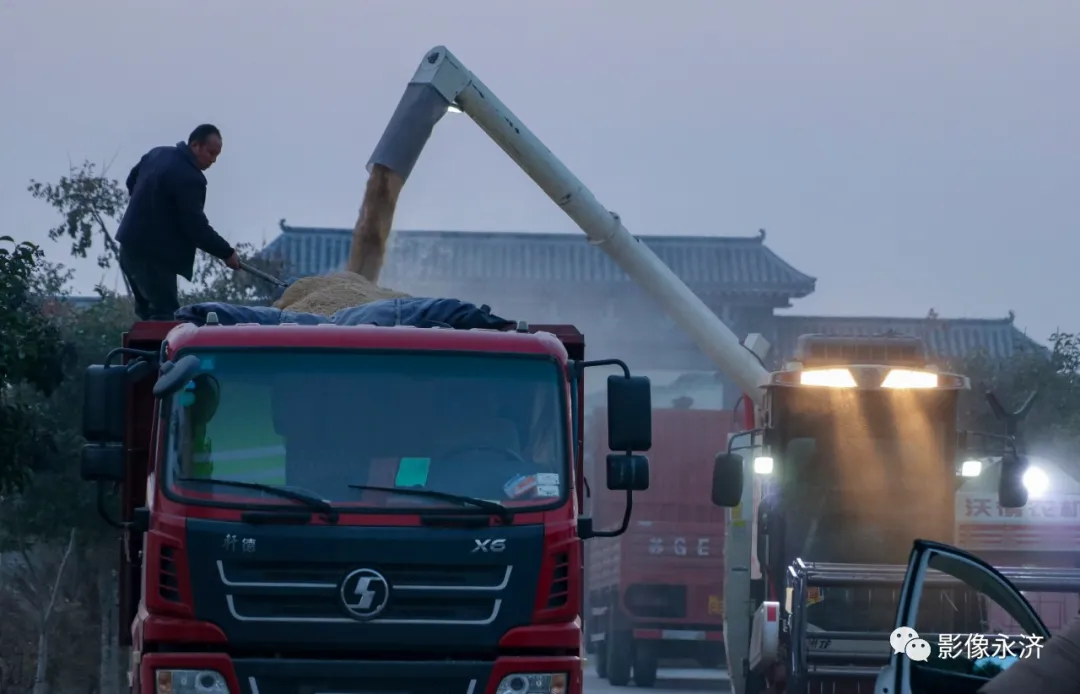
(164, 221)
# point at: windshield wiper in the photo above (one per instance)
(305, 497)
(504, 514)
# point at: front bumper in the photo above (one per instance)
(286, 676)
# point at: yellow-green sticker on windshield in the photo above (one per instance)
(412, 472)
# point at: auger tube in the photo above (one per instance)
(442, 82)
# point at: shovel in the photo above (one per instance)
(280, 285)
(256, 272)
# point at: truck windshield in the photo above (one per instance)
(481, 426)
(865, 477)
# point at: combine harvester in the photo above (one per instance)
(854, 446)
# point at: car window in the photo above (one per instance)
(973, 621)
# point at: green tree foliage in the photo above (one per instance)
(31, 365)
(1052, 429)
(89, 204)
(54, 509)
(49, 343)
(47, 514)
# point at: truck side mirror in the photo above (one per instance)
(1011, 490)
(629, 407)
(727, 480)
(105, 403)
(176, 376)
(102, 463)
(627, 472)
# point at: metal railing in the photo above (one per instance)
(853, 661)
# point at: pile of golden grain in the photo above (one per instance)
(327, 294)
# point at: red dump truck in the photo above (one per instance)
(311, 508)
(654, 592)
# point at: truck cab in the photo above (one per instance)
(855, 454)
(329, 508)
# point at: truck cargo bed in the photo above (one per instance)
(655, 591)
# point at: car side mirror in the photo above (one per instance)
(627, 472)
(727, 480)
(629, 408)
(1012, 493)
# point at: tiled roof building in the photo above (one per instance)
(945, 338)
(711, 265)
(561, 278)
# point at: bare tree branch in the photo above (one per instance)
(60, 575)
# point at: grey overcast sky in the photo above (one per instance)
(909, 154)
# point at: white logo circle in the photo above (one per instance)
(918, 650)
(365, 593)
(900, 637)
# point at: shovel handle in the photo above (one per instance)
(263, 275)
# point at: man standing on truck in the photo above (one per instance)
(165, 223)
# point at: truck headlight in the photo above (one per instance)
(190, 682)
(533, 683)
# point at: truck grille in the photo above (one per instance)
(400, 682)
(462, 595)
(560, 582)
(168, 581)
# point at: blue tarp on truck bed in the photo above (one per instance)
(421, 313)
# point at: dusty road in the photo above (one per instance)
(669, 681)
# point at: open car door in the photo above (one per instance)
(959, 622)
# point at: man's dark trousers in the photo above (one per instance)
(153, 285)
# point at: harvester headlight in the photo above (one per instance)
(1036, 481)
(533, 683)
(906, 378)
(827, 378)
(971, 468)
(763, 465)
(170, 681)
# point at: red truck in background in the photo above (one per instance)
(265, 549)
(1044, 534)
(655, 592)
